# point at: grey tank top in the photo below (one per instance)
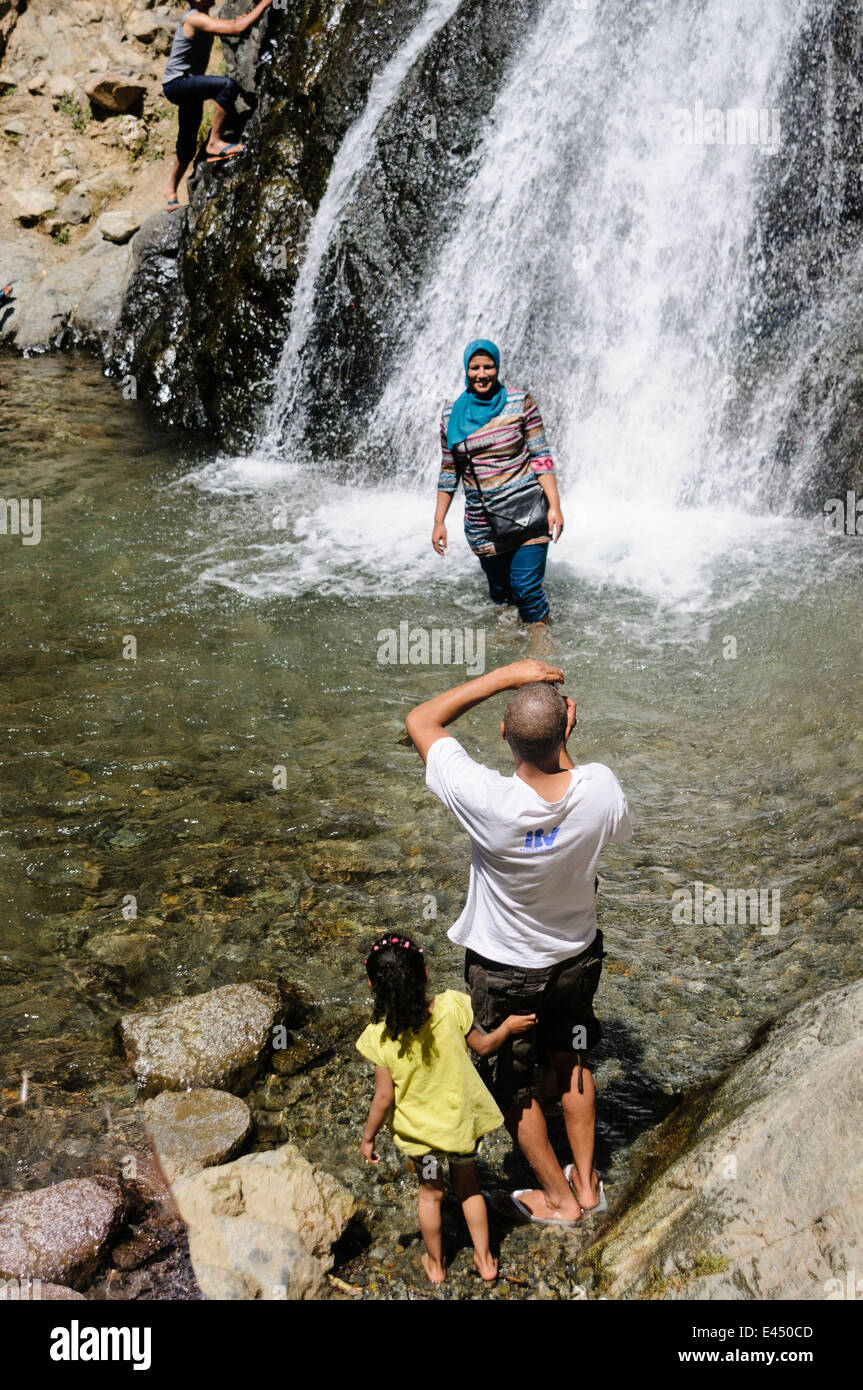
(188, 57)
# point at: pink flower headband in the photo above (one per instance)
(394, 941)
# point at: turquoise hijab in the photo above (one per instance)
(470, 412)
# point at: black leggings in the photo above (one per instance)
(189, 95)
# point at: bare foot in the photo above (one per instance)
(538, 1205)
(436, 1270)
(486, 1265)
(170, 196)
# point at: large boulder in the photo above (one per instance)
(279, 1188)
(210, 1040)
(240, 1258)
(759, 1193)
(114, 92)
(192, 1130)
(59, 1234)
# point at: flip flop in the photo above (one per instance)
(509, 1204)
(173, 203)
(602, 1204)
(226, 152)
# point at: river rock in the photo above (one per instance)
(192, 1130)
(280, 1188)
(29, 204)
(59, 1234)
(209, 1040)
(762, 1197)
(238, 1258)
(132, 950)
(118, 226)
(115, 93)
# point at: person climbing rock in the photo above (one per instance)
(529, 925)
(187, 85)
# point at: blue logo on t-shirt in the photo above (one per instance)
(535, 841)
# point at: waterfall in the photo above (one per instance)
(352, 157)
(603, 241)
(607, 239)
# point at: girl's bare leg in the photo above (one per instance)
(429, 1209)
(466, 1188)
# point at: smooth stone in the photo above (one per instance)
(59, 1233)
(192, 1130)
(238, 1258)
(279, 1187)
(214, 1039)
(75, 208)
(118, 226)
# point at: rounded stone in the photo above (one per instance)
(192, 1130)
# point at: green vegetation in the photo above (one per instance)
(60, 235)
(656, 1285)
(74, 110)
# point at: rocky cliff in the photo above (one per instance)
(208, 300)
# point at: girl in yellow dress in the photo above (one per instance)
(428, 1089)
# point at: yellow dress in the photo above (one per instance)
(440, 1103)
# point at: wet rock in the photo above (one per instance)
(192, 1130)
(134, 952)
(760, 1190)
(115, 93)
(60, 1233)
(280, 1187)
(240, 1258)
(210, 1040)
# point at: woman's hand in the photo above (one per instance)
(367, 1149)
(439, 538)
(555, 523)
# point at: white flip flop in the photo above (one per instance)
(602, 1204)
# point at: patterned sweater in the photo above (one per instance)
(506, 454)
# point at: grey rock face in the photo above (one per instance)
(763, 1197)
(59, 1234)
(192, 1130)
(239, 1259)
(211, 1040)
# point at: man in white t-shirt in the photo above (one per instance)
(529, 924)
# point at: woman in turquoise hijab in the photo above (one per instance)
(493, 441)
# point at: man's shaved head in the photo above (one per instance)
(534, 721)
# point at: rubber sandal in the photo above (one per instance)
(173, 203)
(602, 1204)
(510, 1204)
(226, 152)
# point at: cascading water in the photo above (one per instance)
(351, 158)
(604, 241)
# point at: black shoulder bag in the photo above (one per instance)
(513, 520)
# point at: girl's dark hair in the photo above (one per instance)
(397, 972)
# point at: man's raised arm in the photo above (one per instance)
(427, 722)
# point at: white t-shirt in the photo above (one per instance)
(531, 899)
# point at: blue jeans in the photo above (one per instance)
(189, 95)
(517, 578)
